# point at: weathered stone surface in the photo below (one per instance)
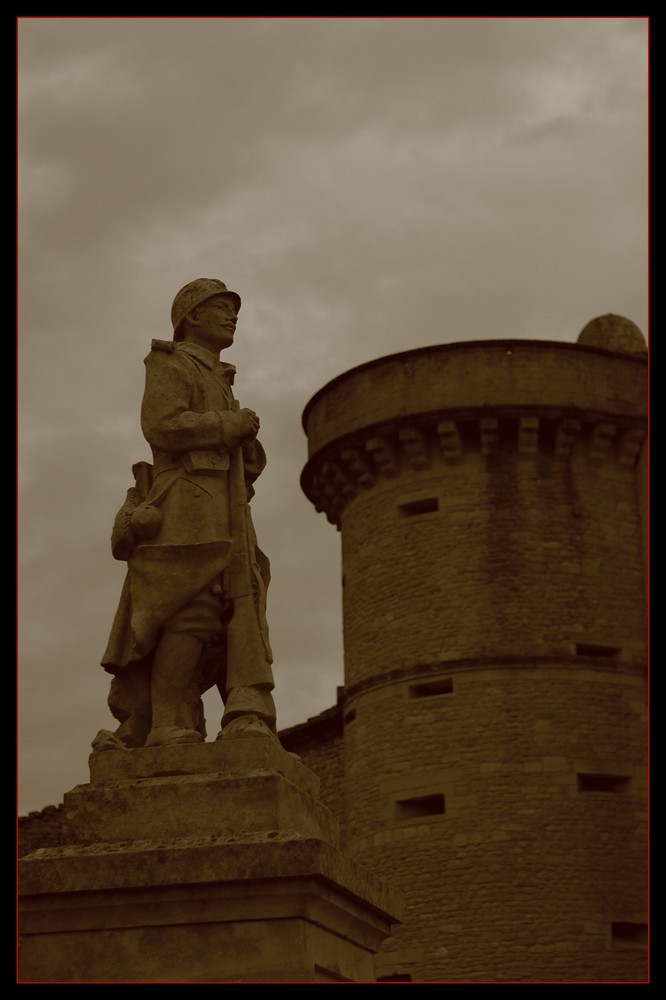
(492, 732)
(235, 757)
(232, 787)
(192, 611)
(273, 910)
(613, 333)
(44, 828)
(214, 862)
(187, 861)
(211, 862)
(196, 805)
(467, 378)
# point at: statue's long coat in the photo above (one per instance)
(187, 418)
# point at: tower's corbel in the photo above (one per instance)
(415, 447)
(601, 441)
(358, 467)
(565, 435)
(629, 445)
(384, 455)
(450, 439)
(340, 484)
(528, 435)
(489, 435)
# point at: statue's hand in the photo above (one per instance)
(249, 423)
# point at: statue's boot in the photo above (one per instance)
(175, 694)
(248, 711)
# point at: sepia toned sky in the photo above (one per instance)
(367, 186)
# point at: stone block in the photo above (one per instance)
(277, 910)
(230, 788)
(204, 863)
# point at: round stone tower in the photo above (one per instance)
(490, 497)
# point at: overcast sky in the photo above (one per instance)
(367, 186)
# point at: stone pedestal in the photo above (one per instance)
(207, 863)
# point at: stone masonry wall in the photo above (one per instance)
(319, 743)
(471, 804)
(495, 651)
(532, 555)
(45, 828)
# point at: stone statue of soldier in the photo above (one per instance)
(192, 611)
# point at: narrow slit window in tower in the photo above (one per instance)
(430, 688)
(603, 782)
(628, 934)
(426, 505)
(420, 807)
(596, 649)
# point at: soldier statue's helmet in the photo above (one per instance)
(193, 294)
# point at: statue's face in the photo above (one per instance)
(216, 324)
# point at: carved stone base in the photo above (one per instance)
(210, 863)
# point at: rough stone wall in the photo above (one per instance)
(319, 743)
(494, 619)
(469, 803)
(45, 828)
(528, 556)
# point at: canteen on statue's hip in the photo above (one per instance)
(146, 521)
